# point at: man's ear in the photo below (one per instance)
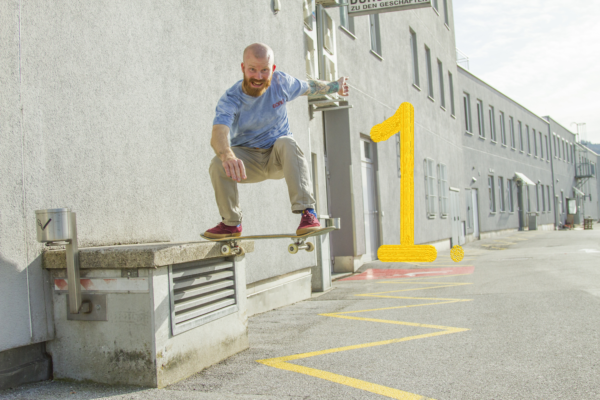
(274, 66)
(242, 67)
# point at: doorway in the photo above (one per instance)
(371, 214)
(475, 200)
(455, 217)
(521, 209)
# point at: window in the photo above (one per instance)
(549, 202)
(429, 73)
(547, 148)
(501, 194)
(541, 146)
(429, 187)
(520, 136)
(492, 124)
(309, 9)
(467, 106)
(563, 149)
(555, 148)
(446, 17)
(509, 195)
(491, 193)
(537, 197)
(534, 144)
(441, 74)
(480, 120)
(435, 4)
(451, 85)
(511, 124)
(528, 200)
(415, 57)
(528, 140)
(375, 34)
(443, 190)
(543, 198)
(562, 202)
(346, 21)
(502, 129)
(593, 166)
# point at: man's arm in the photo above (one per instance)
(234, 167)
(316, 88)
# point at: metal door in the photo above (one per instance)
(475, 214)
(455, 216)
(520, 202)
(371, 214)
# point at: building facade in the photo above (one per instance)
(108, 110)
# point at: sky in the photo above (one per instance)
(545, 55)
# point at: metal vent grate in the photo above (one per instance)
(201, 292)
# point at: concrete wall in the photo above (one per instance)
(117, 103)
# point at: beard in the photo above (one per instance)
(255, 91)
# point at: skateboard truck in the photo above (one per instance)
(232, 247)
(300, 245)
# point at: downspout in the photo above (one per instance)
(552, 169)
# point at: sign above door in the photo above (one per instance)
(364, 7)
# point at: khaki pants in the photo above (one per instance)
(284, 160)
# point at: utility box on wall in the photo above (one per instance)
(171, 311)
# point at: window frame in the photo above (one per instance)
(468, 117)
(521, 141)
(441, 82)
(430, 185)
(480, 119)
(502, 129)
(415, 58)
(346, 21)
(443, 189)
(451, 87)
(375, 30)
(430, 91)
(513, 140)
(510, 196)
(502, 205)
(492, 116)
(492, 194)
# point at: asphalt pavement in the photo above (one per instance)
(517, 318)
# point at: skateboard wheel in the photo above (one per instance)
(225, 249)
(293, 248)
(241, 251)
(310, 247)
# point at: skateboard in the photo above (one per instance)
(231, 245)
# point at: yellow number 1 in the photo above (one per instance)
(404, 121)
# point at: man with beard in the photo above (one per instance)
(253, 142)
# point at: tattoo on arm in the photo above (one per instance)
(320, 88)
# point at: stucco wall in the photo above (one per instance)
(117, 104)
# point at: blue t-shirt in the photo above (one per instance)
(259, 121)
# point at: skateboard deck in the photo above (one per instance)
(231, 244)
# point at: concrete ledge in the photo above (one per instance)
(151, 255)
(279, 291)
(24, 365)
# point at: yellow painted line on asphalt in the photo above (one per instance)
(344, 380)
(284, 363)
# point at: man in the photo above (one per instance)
(252, 113)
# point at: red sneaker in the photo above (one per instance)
(223, 231)
(309, 223)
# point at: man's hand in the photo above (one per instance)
(234, 167)
(343, 86)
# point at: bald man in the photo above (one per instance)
(253, 142)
